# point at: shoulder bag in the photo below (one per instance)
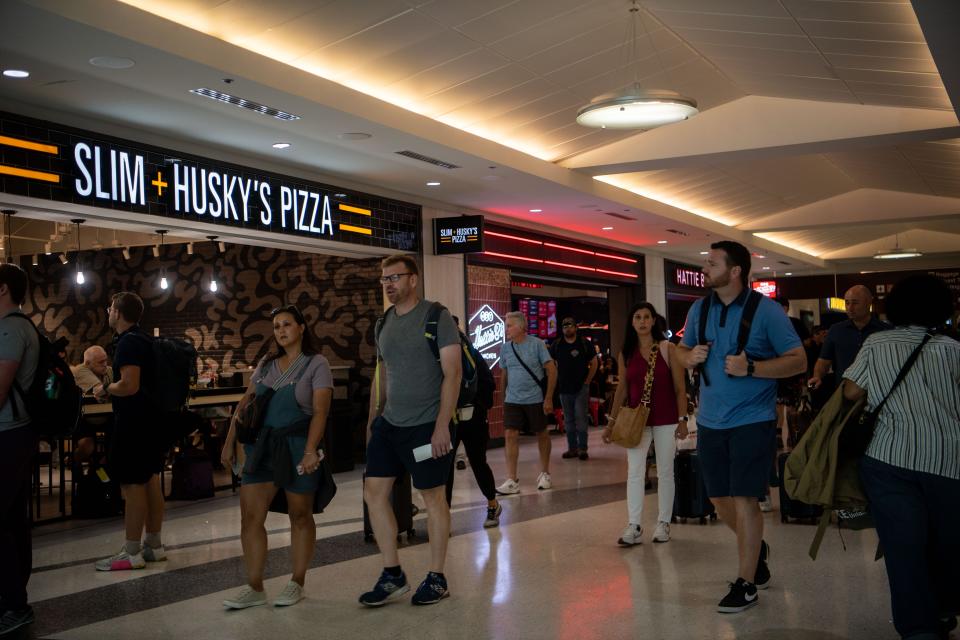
(250, 414)
(631, 421)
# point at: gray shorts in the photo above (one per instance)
(516, 416)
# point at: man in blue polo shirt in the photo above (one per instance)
(736, 438)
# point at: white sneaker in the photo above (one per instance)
(121, 562)
(662, 532)
(632, 535)
(509, 487)
(766, 505)
(291, 594)
(245, 599)
(543, 481)
(151, 554)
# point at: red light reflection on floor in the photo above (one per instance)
(583, 617)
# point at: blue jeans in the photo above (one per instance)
(918, 521)
(574, 407)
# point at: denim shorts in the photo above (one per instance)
(390, 453)
(306, 483)
(737, 461)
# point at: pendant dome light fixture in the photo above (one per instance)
(80, 278)
(163, 270)
(634, 107)
(897, 252)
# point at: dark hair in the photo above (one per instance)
(16, 280)
(783, 302)
(631, 342)
(406, 260)
(922, 299)
(307, 345)
(128, 305)
(737, 256)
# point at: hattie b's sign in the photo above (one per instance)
(487, 332)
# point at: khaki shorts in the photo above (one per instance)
(516, 416)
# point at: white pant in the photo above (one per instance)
(665, 445)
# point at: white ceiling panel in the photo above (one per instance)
(752, 82)
(873, 31)
(589, 44)
(890, 77)
(747, 42)
(417, 58)
(477, 89)
(762, 8)
(844, 11)
(918, 51)
(453, 13)
(729, 22)
(451, 73)
(914, 65)
(555, 32)
(861, 88)
(515, 18)
(905, 101)
(503, 102)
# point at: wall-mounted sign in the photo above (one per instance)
(487, 332)
(683, 276)
(53, 162)
(457, 235)
(766, 287)
(520, 284)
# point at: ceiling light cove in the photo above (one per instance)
(623, 183)
(788, 242)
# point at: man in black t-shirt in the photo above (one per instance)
(576, 366)
(135, 456)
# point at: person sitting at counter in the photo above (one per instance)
(285, 456)
(92, 373)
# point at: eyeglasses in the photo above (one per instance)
(292, 310)
(394, 278)
(568, 324)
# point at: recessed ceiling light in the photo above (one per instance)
(339, 195)
(492, 177)
(16, 73)
(788, 273)
(281, 145)
(703, 253)
(661, 242)
(111, 62)
(355, 135)
(535, 210)
(433, 184)
(608, 228)
(766, 268)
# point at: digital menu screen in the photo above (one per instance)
(541, 317)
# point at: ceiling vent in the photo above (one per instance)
(618, 215)
(427, 159)
(783, 263)
(249, 105)
(678, 232)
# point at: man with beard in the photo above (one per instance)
(576, 365)
(417, 395)
(738, 413)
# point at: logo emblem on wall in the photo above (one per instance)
(487, 331)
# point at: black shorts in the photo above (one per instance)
(516, 416)
(136, 453)
(390, 453)
(737, 462)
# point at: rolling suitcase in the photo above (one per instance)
(192, 477)
(794, 509)
(690, 499)
(402, 499)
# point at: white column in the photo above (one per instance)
(655, 283)
(443, 276)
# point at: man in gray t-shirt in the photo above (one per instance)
(418, 396)
(19, 350)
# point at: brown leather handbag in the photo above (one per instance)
(631, 421)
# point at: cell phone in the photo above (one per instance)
(423, 453)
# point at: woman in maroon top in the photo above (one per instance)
(667, 420)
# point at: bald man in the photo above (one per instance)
(93, 373)
(845, 338)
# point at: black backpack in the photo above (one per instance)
(469, 380)
(175, 368)
(486, 385)
(743, 331)
(53, 399)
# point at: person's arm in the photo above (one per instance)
(790, 363)
(618, 398)
(128, 384)
(820, 369)
(549, 368)
(851, 391)
(228, 452)
(8, 372)
(318, 424)
(449, 392)
(378, 395)
(591, 371)
(678, 373)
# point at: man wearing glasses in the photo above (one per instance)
(409, 429)
(576, 365)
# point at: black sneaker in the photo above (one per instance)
(432, 590)
(493, 516)
(761, 579)
(584, 455)
(742, 596)
(13, 619)
(388, 588)
(569, 454)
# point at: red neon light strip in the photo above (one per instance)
(504, 255)
(560, 246)
(517, 238)
(569, 266)
(606, 255)
(618, 273)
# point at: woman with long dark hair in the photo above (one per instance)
(667, 420)
(285, 456)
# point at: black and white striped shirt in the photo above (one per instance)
(919, 427)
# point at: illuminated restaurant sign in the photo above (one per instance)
(51, 162)
(683, 276)
(487, 332)
(766, 287)
(463, 234)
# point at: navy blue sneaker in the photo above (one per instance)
(13, 619)
(432, 590)
(388, 588)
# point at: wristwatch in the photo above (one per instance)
(750, 367)
(684, 418)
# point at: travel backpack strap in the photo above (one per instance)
(705, 304)
(746, 319)
(821, 530)
(431, 329)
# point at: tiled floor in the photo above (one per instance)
(552, 570)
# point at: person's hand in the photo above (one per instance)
(698, 355)
(814, 382)
(547, 407)
(682, 430)
(100, 393)
(736, 365)
(607, 434)
(440, 442)
(309, 463)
